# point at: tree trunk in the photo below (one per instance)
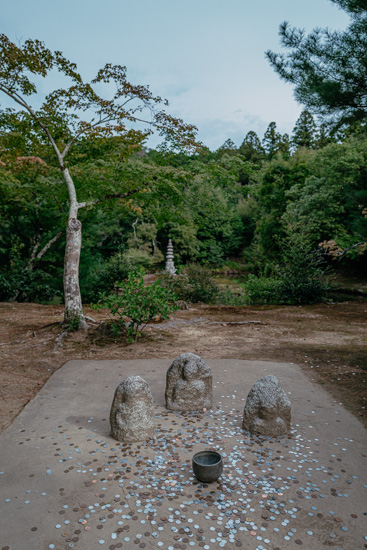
(74, 316)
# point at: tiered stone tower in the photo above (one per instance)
(170, 266)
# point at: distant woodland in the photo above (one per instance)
(257, 207)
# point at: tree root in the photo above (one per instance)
(92, 320)
(236, 323)
(59, 341)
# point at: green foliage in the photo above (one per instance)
(142, 258)
(328, 205)
(251, 148)
(228, 148)
(20, 283)
(269, 189)
(73, 320)
(215, 206)
(274, 142)
(328, 68)
(227, 297)
(183, 235)
(194, 284)
(117, 268)
(218, 225)
(305, 131)
(261, 290)
(297, 279)
(271, 290)
(133, 305)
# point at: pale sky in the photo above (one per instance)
(205, 56)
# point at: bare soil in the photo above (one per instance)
(329, 342)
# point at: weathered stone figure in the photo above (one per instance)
(268, 409)
(189, 384)
(131, 415)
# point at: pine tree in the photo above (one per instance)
(328, 68)
(305, 131)
(323, 136)
(228, 148)
(251, 148)
(272, 140)
(285, 145)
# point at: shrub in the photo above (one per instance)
(262, 290)
(134, 305)
(270, 290)
(141, 258)
(18, 283)
(298, 280)
(73, 320)
(228, 298)
(194, 284)
(117, 269)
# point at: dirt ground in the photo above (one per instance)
(329, 341)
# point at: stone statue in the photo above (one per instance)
(189, 384)
(268, 409)
(132, 415)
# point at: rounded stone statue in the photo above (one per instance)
(268, 409)
(189, 384)
(132, 411)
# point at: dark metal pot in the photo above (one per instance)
(207, 466)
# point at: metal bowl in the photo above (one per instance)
(207, 466)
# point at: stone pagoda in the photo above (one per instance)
(170, 266)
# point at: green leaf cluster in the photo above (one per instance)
(133, 305)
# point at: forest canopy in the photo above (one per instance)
(258, 204)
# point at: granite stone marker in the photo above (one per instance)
(189, 384)
(268, 409)
(132, 416)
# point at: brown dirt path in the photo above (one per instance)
(329, 341)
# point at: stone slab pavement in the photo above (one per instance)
(65, 483)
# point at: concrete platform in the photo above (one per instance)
(65, 483)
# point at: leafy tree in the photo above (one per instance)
(247, 210)
(329, 204)
(328, 68)
(32, 216)
(184, 238)
(297, 278)
(269, 188)
(305, 131)
(78, 112)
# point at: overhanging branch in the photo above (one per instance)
(109, 197)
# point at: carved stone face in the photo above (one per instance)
(132, 411)
(189, 384)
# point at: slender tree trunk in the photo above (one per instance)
(72, 296)
(73, 300)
